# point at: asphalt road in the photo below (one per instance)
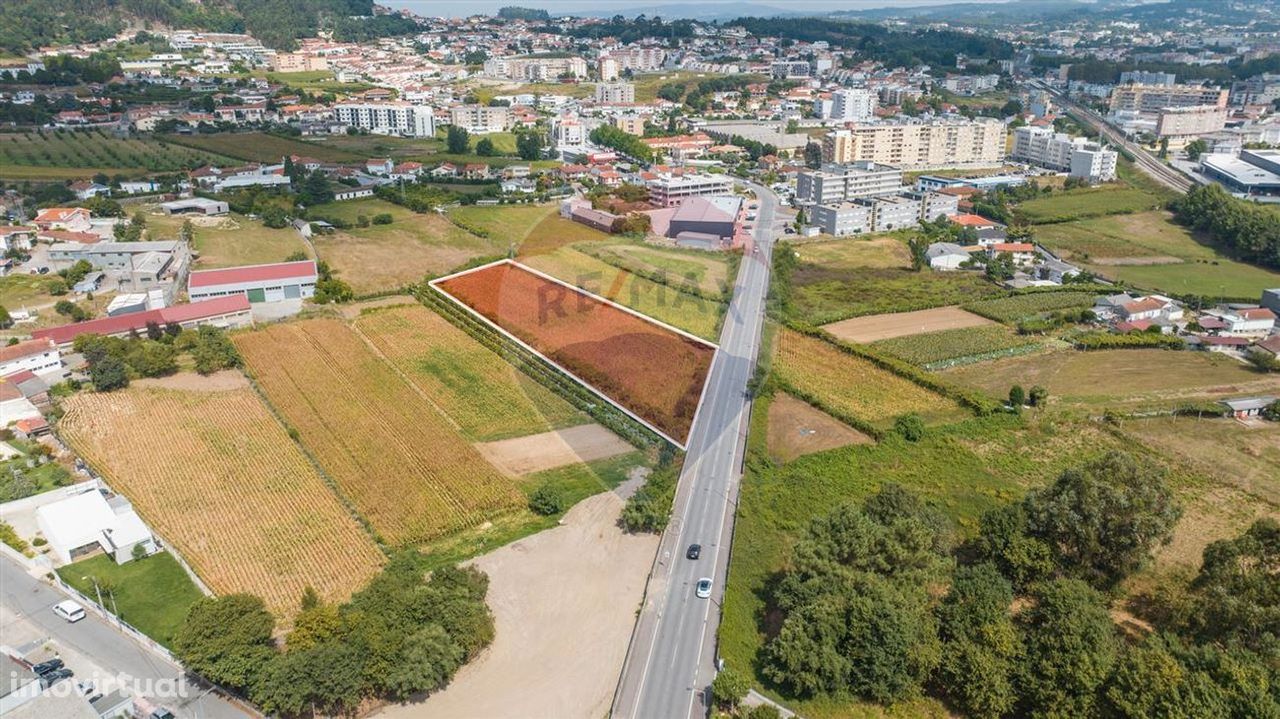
(671, 660)
(27, 603)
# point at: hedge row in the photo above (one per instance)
(1132, 340)
(857, 423)
(539, 369)
(976, 401)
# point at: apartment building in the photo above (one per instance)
(480, 119)
(672, 190)
(532, 68)
(790, 69)
(1151, 99)
(635, 59)
(881, 214)
(1142, 77)
(1190, 122)
(388, 118)
(912, 145)
(630, 124)
(838, 183)
(615, 93)
(970, 84)
(1043, 147)
(568, 132)
(850, 104)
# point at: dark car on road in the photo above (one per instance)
(694, 551)
(46, 667)
(48, 679)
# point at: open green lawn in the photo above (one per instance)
(89, 150)
(262, 147)
(1083, 203)
(512, 223)
(1150, 250)
(230, 241)
(554, 232)
(1124, 378)
(570, 89)
(19, 289)
(152, 594)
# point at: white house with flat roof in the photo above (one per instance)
(81, 525)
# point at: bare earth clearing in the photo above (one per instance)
(901, 324)
(548, 450)
(797, 428)
(564, 601)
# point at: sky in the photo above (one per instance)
(458, 8)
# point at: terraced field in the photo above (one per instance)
(96, 149)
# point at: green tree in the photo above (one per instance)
(226, 639)
(910, 426)
(1000, 267)
(325, 679)
(315, 190)
(762, 711)
(1038, 396)
(1070, 648)
(729, 688)
(1237, 592)
(529, 145)
(6, 320)
(1017, 396)
(545, 500)
(484, 148)
(430, 657)
(980, 645)
(1196, 148)
(108, 373)
(813, 156)
(918, 245)
(1103, 519)
(457, 140)
(213, 350)
(275, 217)
(1004, 540)
(1263, 361)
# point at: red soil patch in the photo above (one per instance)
(654, 372)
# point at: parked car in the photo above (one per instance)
(69, 610)
(55, 676)
(694, 551)
(46, 667)
(703, 590)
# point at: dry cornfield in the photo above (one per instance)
(215, 474)
(402, 464)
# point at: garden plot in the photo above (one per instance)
(900, 324)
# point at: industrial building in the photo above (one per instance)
(258, 283)
(1253, 172)
(673, 190)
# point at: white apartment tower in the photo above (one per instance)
(852, 104)
(388, 118)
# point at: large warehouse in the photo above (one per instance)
(260, 283)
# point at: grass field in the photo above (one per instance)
(691, 313)
(963, 469)
(823, 295)
(86, 149)
(706, 273)
(506, 223)
(1084, 203)
(230, 241)
(849, 253)
(654, 372)
(554, 232)
(18, 289)
(1217, 278)
(850, 386)
(316, 81)
(262, 147)
(1247, 458)
(382, 257)
(871, 328)
(152, 594)
(1128, 378)
(218, 476)
(400, 149)
(1011, 309)
(394, 455)
(932, 348)
(487, 397)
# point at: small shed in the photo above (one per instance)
(1246, 407)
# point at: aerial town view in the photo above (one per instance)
(573, 359)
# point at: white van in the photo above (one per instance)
(69, 610)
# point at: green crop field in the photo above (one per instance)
(88, 151)
(823, 295)
(701, 272)
(1084, 203)
(1217, 278)
(933, 348)
(1011, 309)
(512, 223)
(262, 147)
(400, 149)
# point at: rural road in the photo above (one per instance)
(98, 649)
(672, 657)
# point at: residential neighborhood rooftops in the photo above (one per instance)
(25, 349)
(177, 314)
(971, 220)
(253, 273)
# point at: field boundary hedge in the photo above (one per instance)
(539, 370)
(861, 425)
(1132, 340)
(977, 402)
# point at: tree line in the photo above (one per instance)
(896, 48)
(881, 602)
(114, 361)
(1249, 231)
(406, 633)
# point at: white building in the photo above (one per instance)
(41, 356)
(615, 93)
(567, 131)
(1252, 321)
(80, 526)
(836, 183)
(259, 283)
(946, 256)
(851, 104)
(480, 119)
(1078, 156)
(388, 118)
(671, 190)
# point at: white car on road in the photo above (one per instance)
(69, 610)
(703, 589)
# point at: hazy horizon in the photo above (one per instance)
(462, 8)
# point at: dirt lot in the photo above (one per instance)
(548, 450)
(564, 601)
(796, 428)
(901, 324)
(221, 381)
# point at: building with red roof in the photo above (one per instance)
(274, 282)
(226, 312)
